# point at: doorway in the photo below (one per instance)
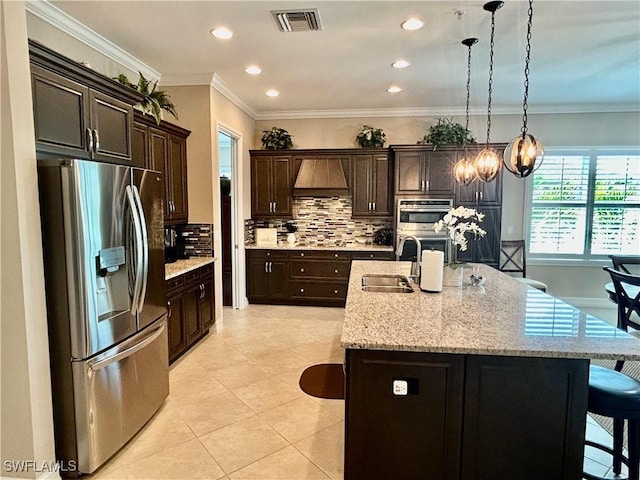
(226, 150)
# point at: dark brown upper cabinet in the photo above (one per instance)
(270, 184)
(371, 188)
(419, 170)
(78, 112)
(479, 193)
(164, 148)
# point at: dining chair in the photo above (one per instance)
(627, 297)
(513, 259)
(620, 262)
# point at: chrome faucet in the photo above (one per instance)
(415, 266)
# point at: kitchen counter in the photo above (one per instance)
(492, 380)
(502, 317)
(181, 267)
(368, 247)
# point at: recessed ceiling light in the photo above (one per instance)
(222, 32)
(412, 24)
(400, 64)
(394, 89)
(272, 93)
(253, 70)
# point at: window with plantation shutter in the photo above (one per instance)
(585, 204)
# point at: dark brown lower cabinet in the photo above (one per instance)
(190, 299)
(303, 277)
(464, 416)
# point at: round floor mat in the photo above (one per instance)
(325, 380)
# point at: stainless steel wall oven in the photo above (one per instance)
(416, 217)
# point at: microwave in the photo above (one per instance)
(417, 216)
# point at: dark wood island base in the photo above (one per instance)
(464, 416)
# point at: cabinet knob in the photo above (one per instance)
(335, 271)
(371, 255)
(302, 270)
(268, 254)
(335, 291)
(302, 290)
(335, 255)
(302, 254)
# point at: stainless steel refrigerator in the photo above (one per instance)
(103, 246)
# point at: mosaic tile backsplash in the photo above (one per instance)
(198, 239)
(322, 221)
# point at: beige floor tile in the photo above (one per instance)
(242, 443)
(195, 392)
(268, 394)
(320, 352)
(280, 362)
(326, 449)
(110, 471)
(299, 419)
(216, 412)
(187, 460)
(241, 374)
(165, 430)
(286, 464)
(334, 406)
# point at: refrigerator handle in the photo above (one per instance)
(129, 351)
(145, 249)
(139, 249)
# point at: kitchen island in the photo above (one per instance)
(476, 382)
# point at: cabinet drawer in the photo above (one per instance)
(321, 254)
(319, 290)
(264, 255)
(206, 271)
(191, 276)
(373, 256)
(319, 269)
(175, 283)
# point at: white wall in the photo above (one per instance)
(25, 398)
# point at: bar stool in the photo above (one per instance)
(513, 260)
(616, 395)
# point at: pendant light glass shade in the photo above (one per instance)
(525, 153)
(464, 172)
(487, 162)
(487, 165)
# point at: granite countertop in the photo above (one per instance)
(501, 317)
(368, 247)
(180, 267)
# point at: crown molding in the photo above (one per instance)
(69, 25)
(230, 93)
(185, 80)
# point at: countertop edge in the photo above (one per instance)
(180, 267)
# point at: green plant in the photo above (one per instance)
(154, 100)
(447, 132)
(276, 139)
(370, 137)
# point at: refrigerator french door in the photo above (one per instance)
(103, 247)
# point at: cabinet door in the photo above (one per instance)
(488, 247)
(112, 121)
(207, 309)
(261, 187)
(411, 436)
(159, 152)
(61, 114)
(439, 179)
(361, 192)
(279, 279)
(140, 146)
(281, 185)
(191, 314)
(490, 194)
(382, 197)
(178, 178)
(257, 278)
(177, 334)
(410, 172)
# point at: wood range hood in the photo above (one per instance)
(321, 177)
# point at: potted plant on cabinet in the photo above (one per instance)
(446, 131)
(370, 137)
(276, 139)
(155, 101)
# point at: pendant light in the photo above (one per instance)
(464, 171)
(525, 153)
(487, 163)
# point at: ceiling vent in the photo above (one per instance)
(297, 20)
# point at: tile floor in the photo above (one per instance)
(236, 412)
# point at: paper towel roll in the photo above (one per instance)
(431, 268)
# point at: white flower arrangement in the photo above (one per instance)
(457, 222)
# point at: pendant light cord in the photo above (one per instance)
(466, 124)
(493, 27)
(526, 72)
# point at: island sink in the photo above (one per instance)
(386, 283)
